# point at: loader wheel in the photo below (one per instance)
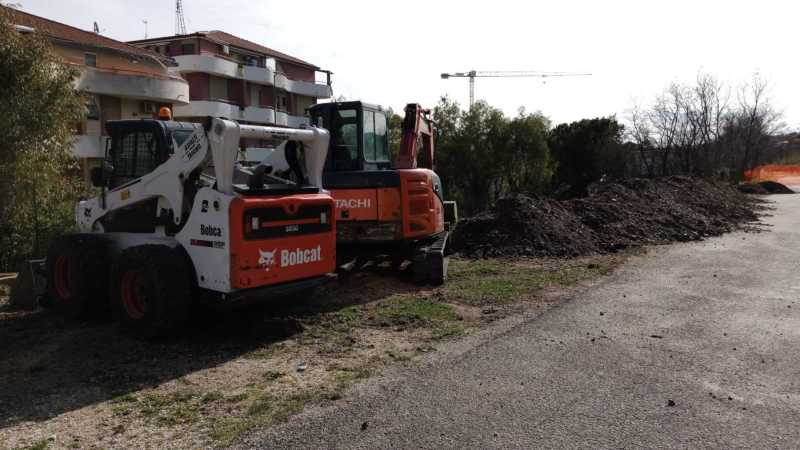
(151, 289)
(77, 276)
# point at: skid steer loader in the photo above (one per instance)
(172, 227)
(383, 206)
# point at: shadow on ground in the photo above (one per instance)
(49, 366)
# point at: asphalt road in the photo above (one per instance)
(690, 346)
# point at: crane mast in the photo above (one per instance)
(472, 74)
(180, 22)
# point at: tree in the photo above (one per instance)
(39, 181)
(586, 151)
(482, 155)
(697, 129)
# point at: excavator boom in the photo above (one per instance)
(416, 142)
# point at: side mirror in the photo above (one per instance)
(101, 175)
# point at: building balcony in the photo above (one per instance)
(303, 87)
(282, 118)
(173, 90)
(218, 66)
(212, 108)
(259, 75)
(207, 64)
(89, 146)
(259, 114)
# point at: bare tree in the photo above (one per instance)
(697, 129)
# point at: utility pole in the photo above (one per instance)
(472, 74)
(144, 21)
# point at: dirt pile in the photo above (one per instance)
(765, 188)
(524, 226)
(614, 216)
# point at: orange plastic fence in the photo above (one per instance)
(788, 175)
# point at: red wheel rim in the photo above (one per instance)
(134, 298)
(61, 278)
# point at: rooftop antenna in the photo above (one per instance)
(180, 22)
(144, 21)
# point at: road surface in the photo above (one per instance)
(691, 346)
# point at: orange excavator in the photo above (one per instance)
(386, 207)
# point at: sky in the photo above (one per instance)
(392, 53)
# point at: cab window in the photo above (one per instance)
(375, 148)
(133, 155)
(344, 140)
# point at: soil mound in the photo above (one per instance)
(524, 225)
(613, 216)
(765, 188)
(773, 187)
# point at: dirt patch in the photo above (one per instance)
(86, 385)
(612, 217)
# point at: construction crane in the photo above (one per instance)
(180, 22)
(472, 74)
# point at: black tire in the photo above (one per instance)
(77, 275)
(151, 290)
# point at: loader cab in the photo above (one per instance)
(136, 147)
(359, 135)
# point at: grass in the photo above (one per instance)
(409, 309)
(260, 354)
(265, 409)
(176, 408)
(492, 281)
(39, 445)
(272, 375)
(211, 397)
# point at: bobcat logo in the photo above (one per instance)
(267, 259)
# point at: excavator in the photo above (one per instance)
(384, 206)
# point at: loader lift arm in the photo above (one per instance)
(217, 142)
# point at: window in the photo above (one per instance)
(375, 148)
(218, 88)
(92, 108)
(133, 155)
(344, 137)
(180, 136)
(90, 59)
(369, 135)
(187, 49)
(381, 147)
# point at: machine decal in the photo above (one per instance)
(267, 259)
(289, 257)
(353, 203)
(191, 147)
(300, 256)
(204, 243)
(210, 230)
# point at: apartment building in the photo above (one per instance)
(121, 81)
(241, 80)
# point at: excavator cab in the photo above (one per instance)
(382, 208)
(359, 136)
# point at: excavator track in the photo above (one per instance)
(429, 263)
